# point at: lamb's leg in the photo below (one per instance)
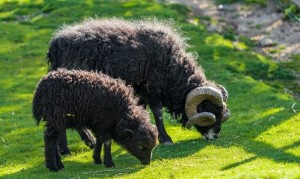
(63, 143)
(50, 139)
(59, 163)
(97, 151)
(156, 108)
(107, 152)
(87, 137)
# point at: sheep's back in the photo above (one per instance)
(79, 99)
(133, 51)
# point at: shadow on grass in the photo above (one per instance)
(262, 149)
(295, 144)
(178, 150)
(76, 169)
(124, 162)
(239, 163)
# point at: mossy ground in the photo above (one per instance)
(261, 139)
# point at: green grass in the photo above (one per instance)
(261, 139)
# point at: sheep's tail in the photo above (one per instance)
(37, 107)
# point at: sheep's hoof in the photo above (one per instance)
(53, 168)
(109, 164)
(60, 165)
(167, 143)
(97, 161)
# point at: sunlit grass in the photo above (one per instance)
(11, 169)
(285, 135)
(261, 139)
(218, 40)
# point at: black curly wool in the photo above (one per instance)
(79, 99)
(149, 55)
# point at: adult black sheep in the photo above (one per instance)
(151, 57)
(77, 99)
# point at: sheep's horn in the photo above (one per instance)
(226, 115)
(201, 119)
(224, 93)
(197, 95)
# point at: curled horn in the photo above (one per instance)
(201, 119)
(226, 115)
(194, 98)
(197, 95)
(224, 93)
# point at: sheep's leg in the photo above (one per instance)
(50, 139)
(97, 151)
(59, 163)
(156, 108)
(63, 143)
(152, 97)
(87, 137)
(107, 152)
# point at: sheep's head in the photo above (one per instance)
(141, 142)
(206, 109)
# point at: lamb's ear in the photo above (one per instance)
(127, 133)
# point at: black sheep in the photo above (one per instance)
(78, 99)
(151, 57)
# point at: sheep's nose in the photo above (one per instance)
(210, 135)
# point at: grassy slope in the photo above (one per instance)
(262, 138)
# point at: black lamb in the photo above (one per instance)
(151, 57)
(78, 99)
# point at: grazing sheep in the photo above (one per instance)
(152, 58)
(79, 99)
